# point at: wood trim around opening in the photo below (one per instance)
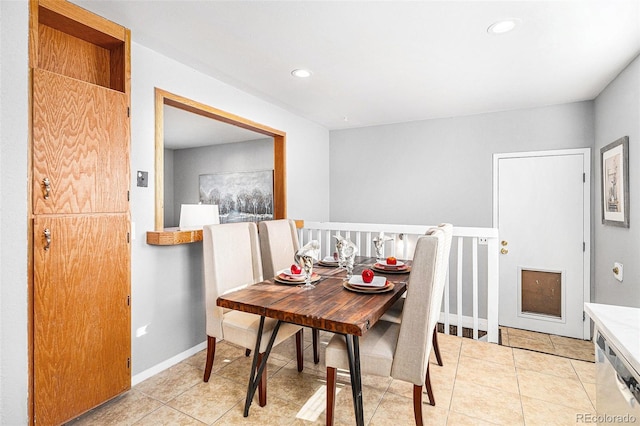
(163, 98)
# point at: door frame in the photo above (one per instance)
(586, 211)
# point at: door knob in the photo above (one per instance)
(47, 237)
(504, 250)
(504, 243)
(47, 187)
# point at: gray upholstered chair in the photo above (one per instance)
(279, 244)
(399, 350)
(232, 260)
(394, 313)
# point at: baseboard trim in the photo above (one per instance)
(144, 375)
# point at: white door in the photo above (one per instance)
(541, 209)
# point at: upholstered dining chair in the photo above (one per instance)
(398, 350)
(279, 244)
(232, 260)
(394, 313)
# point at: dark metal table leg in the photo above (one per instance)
(254, 378)
(353, 353)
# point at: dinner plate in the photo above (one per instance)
(390, 270)
(370, 290)
(328, 261)
(378, 282)
(292, 275)
(285, 279)
(384, 263)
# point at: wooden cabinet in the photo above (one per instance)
(79, 211)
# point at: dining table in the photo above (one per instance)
(333, 305)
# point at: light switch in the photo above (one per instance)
(617, 271)
(143, 178)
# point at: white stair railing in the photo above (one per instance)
(474, 292)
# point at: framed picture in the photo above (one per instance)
(240, 196)
(614, 164)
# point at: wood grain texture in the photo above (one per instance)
(64, 54)
(81, 144)
(173, 236)
(82, 337)
(328, 307)
(80, 23)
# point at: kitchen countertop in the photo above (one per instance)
(621, 326)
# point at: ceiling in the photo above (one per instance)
(386, 62)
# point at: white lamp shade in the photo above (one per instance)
(195, 216)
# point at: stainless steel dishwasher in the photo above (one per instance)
(617, 387)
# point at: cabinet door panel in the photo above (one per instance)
(80, 145)
(82, 337)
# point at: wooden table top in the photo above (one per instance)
(329, 306)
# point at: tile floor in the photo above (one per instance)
(548, 343)
(479, 384)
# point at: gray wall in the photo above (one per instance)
(190, 163)
(433, 171)
(617, 114)
(14, 18)
(170, 218)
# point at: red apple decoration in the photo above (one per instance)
(391, 260)
(295, 269)
(367, 275)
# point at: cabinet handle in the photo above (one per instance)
(47, 187)
(47, 237)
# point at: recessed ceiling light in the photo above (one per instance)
(301, 73)
(503, 26)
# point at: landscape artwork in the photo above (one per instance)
(240, 196)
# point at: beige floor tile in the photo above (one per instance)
(442, 380)
(496, 406)
(371, 398)
(487, 374)
(124, 409)
(448, 342)
(544, 413)
(530, 335)
(586, 370)
(225, 354)
(276, 413)
(487, 351)
(557, 390)
(172, 382)
(581, 352)
(590, 388)
(294, 387)
(458, 419)
(544, 363)
(209, 401)
(167, 416)
(239, 369)
(398, 410)
(532, 344)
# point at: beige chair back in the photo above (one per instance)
(278, 244)
(441, 278)
(414, 345)
(232, 260)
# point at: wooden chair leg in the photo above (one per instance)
(299, 353)
(247, 352)
(417, 404)
(262, 385)
(316, 339)
(427, 383)
(332, 374)
(211, 353)
(436, 348)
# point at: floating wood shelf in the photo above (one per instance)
(173, 236)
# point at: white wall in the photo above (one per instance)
(14, 20)
(167, 293)
(433, 171)
(617, 114)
